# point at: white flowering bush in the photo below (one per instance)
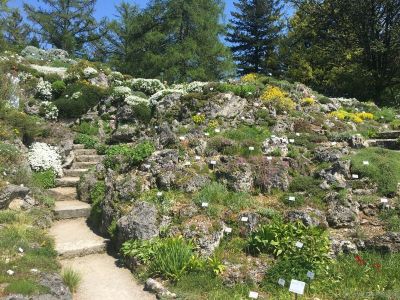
(115, 77)
(135, 100)
(90, 72)
(48, 110)
(121, 92)
(43, 157)
(43, 90)
(147, 86)
(153, 100)
(24, 76)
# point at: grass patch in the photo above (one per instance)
(44, 179)
(71, 279)
(25, 287)
(383, 168)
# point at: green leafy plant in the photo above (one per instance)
(132, 156)
(87, 128)
(97, 194)
(71, 278)
(142, 250)
(44, 179)
(88, 141)
(58, 87)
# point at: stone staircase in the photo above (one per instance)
(72, 234)
(386, 139)
(82, 249)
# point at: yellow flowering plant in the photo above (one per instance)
(277, 98)
(249, 78)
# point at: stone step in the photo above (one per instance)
(71, 209)
(74, 238)
(393, 134)
(67, 181)
(74, 172)
(88, 158)
(78, 146)
(385, 143)
(85, 152)
(83, 165)
(63, 193)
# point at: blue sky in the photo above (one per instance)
(106, 8)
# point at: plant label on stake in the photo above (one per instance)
(291, 198)
(334, 143)
(182, 138)
(253, 295)
(310, 275)
(204, 204)
(297, 287)
(269, 157)
(281, 282)
(159, 194)
(354, 176)
(217, 130)
(299, 244)
(244, 219)
(197, 157)
(291, 141)
(228, 230)
(384, 200)
(365, 162)
(206, 134)
(251, 148)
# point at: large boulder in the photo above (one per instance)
(271, 174)
(386, 243)
(276, 144)
(141, 223)
(236, 174)
(11, 192)
(312, 217)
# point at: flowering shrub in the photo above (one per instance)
(249, 78)
(115, 76)
(354, 117)
(89, 72)
(147, 86)
(43, 157)
(135, 100)
(308, 101)
(161, 94)
(278, 99)
(48, 110)
(199, 119)
(43, 90)
(120, 93)
(195, 87)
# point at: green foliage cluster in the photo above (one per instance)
(58, 87)
(87, 128)
(117, 155)
(97, 193)
(383, 168)
(279, 239)
(89, 141)
(44, 179)
(242, 90)
(88, 97)
(71, 278)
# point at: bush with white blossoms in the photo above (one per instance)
(48, 110)
(195, 87)
(24, 76)
(135, 100)
(90, 72)
(121, 92)
(147, 86)
(43, 90)
(115, 77)
(43, 157)
(153, 100)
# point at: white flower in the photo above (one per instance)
(121, 92)
(195, 87)
(90, 72)
(44, 157)
(115, 76)
(147, 86)
(135, 100)
(43, 90)
(10, 272)
(48, 110)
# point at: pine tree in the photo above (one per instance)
(16, 32)
(65, 24)
(254, 32)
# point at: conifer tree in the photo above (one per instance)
(65, 24)
(254, 32)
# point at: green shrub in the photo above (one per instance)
(395, 124)
(173, 258)
(58, 87)
(385, 114)
(142, 112)
(391, 218)
(87, 128)
(51, 77)
(44, 179)
(90, 142)
(101, 149)
(383, 168)
(142, 250)
(242, 90)
(279, 239)
(125, 154)
(71, 279)
(97, 194)
(87, 97)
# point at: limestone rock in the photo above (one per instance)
(276, 144)
(157, 288)
(386, 243)
(10, 192)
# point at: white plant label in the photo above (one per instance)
(365, 162)
(297, 134)
(187, 163)
(273, 136)
(217, 130)
(310, 275)
(297, 287)
(147, 166)
(206, 134)
(182, 138)
(291, 198)
(204, 204)
(269, 157)
(334, 143)
(299, 245)
(354, 176)
(291, 141)
(281, 282)
(197, 157)
(228, 230)
(159, 194)
(384, 200)
(213, 162)
(253, 295)
(251, 148)
(244, 219)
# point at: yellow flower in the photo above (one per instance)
(199, 119)
(213, 124)
(308, 101)
(278, 99)
(365, 116)
(251, 77)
